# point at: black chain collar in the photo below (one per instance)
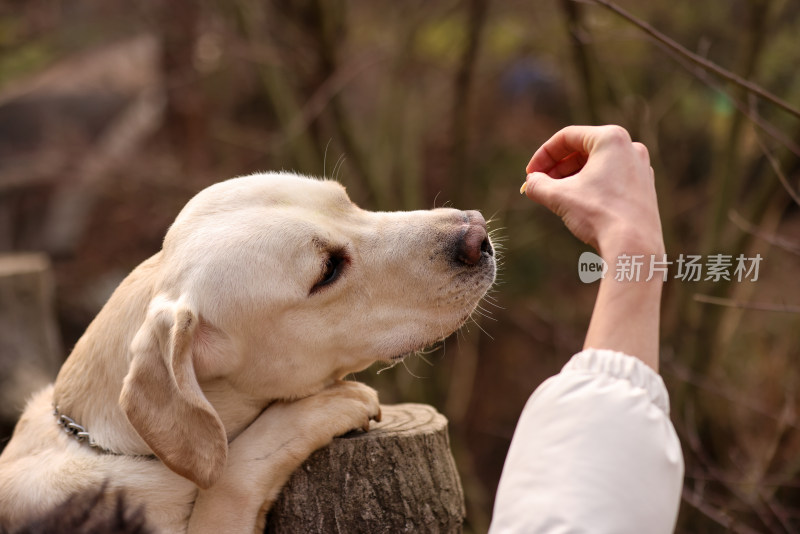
(78, 432)
(81, 435)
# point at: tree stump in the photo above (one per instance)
(30, 345)
(398, 477)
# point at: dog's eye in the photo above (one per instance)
(333, 268)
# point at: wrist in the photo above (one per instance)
(631, 241)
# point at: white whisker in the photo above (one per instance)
(424, 359)
(492, 303)
(409, 370)
(325, 159)
(382, 369)
(481, 329)
(478, 312)
(485, 313)
(337, 167)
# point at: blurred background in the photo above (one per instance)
(113, 114)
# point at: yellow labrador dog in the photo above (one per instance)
(216, 367)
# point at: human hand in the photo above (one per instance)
(601, 184)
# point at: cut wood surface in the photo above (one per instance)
(398, 477)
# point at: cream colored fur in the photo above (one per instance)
(222, 356)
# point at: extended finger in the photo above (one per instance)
(642, 152)
(581, 139)
(565, 142)
(569, 165)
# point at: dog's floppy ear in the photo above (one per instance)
(163, 400)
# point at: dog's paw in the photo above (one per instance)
(311, 422)
(263, 456)
(346, 406)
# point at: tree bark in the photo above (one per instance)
(398, 477)
(30, 346)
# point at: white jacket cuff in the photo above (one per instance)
(594, 451)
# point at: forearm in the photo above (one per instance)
(626, 313)
(602, 186)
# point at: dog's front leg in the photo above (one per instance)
(262, 458)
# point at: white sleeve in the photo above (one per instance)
(594, 451)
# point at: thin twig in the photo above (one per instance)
(695, 445)
(729, 394)
(746, 226)
(776, 166)
(777, 511)
(717, 515)
(463, 85)
(703, 76)
(699, 60)
(758, 306)
(770, 483)
(327, 90)
(582, 58)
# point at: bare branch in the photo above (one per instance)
(745, 110)
(773, 161)
(718, 516)
(774, 240)
(460, 123)
(729, 394)
(582, 58)
(327, 90)
(699, 60)
(758, 306)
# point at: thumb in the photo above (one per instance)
(542, 189)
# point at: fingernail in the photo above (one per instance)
(522, 189)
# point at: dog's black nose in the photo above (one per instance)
(474, 240)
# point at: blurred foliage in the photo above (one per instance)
(417, 104)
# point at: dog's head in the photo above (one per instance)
(276, 285)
